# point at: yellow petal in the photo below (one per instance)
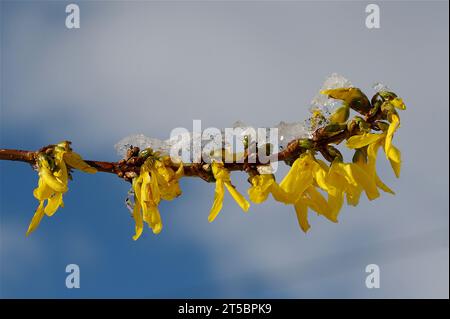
(156, 195)
(299, 177)
(76, 161)
(51, 180)
(318, 203)
(358, 141)
(61, 171)
(156, 223)
(137, 185)
(37, 217)
(218, 201)
(383, 186)
(43, 191)
(145, 187)
(288, 182)
(222, 177)
(279, 194)
(367, 183)
(335, 202)
(398, 103)
(240, 200)
(337, 178)
(259, 191)
(301, 209)
(395, 158)
(146, 215)
(139, 227)
(320, 175)
(53, 204)
(353, 195)
(393, 126)
(157, 228)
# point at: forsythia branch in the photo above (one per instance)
(133, 163)
(154, 177)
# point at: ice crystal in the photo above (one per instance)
(380, 87)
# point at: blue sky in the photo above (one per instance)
(148, 67)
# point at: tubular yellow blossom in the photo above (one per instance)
(318, 203)
(369, 164)
(300, 186)
(260, 189)
(299, 177)
(223, 180)
(313, 199)
(385, 139)
(156, 181)
(301, 210)
(357, 177)
(53, 180)
(262, 186)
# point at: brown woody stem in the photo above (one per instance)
(127, 167)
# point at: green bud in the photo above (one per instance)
(360, 123)
(305, 143)
(382, 125)
(340, 115)
(65, 145)
(398, 103)
(334, 152)
(387, 107)
(146, 153)
(353, 97)
(334, 127)
(364, 126)
(375, 107)
(359, 157)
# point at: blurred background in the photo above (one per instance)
(148, 67)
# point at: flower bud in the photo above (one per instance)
(334, 153)
(145, 153)
(340, 115)
(359, 157)
(398, 103)
(383, 126)
(334, 127)
(360, 123)
(305, 143)
(353, 97)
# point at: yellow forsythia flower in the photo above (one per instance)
(262, 186)
(309, 177)
(374, 141)
(156, 181)
(301, 183)
(348, 179)
(223, 180)
(53, 180)
(368, 163)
